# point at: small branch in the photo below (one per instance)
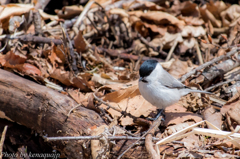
(143, 40)
(148, 141)
(31, 38)
(171, 50)
(114, 108)
(95, 138)
(37, 23)
(198, 52)
(219, 84)
(80, 18)
(229, 54)
(153, 126)
(2, 140)
(116, 53)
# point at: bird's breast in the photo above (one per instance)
(159, 95)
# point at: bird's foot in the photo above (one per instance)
(158, 115)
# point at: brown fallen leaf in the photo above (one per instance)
(233, 110)
(231, 14)
(213, 117)
(162, 18)
(181, 117)
(27, 69)
(17, 62)
(192, 141)
(129, 99)
(142, 5)
(68, 12)
(80, 43)
(9, 10)
(179, 68)
(69, 79)
(208, 16)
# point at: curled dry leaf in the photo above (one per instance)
(69, 12)
(186, 44)
(213, 117)
(79, 97)
(7, 11)
(80, 43)
(46, 16)
(128, 99)
(139, 48)
(157, 21)
(11, 60)
(191, 31)
(178, 117)
(162, 18)
(28, 69)
(142, 5)
(103, 81)
(69, 79)
(175, 128)
(233, 110)
(186, 8)
(194, 21)
(53, 56)
(192, 141)
(167, 40)
(208, 16)
(179, 68)
(231, 14)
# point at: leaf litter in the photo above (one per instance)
(100, 51)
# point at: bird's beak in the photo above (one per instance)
(140, 79)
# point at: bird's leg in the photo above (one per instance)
(160, 112)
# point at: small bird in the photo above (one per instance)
(160, 88)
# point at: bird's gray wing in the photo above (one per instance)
(169, 81)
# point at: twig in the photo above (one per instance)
(148, 141)
(122, 55)
(37, 23)
(198, 52)
(2, 140)
(80, 18)
(143, 40)
(171, 50)
(115, 108)
(70, 49)
(31, 38)
(219, 84)
(72, 110)
(95, 138)
(153, 126)
(229, 54)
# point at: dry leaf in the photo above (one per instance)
(213, 117)
(128, 99)
(69, 12)
(80, 43)
(162, 18)
(191, 31)
(9, 10)
(11, 60)
(69, 79)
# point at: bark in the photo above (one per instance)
(45, 111)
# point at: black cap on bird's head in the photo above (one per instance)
(147, 67)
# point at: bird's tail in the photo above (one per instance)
(186, 91)
(199, 91)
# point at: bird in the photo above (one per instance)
(159, 87)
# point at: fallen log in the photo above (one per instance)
(45, 111)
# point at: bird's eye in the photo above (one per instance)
(143, 80)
